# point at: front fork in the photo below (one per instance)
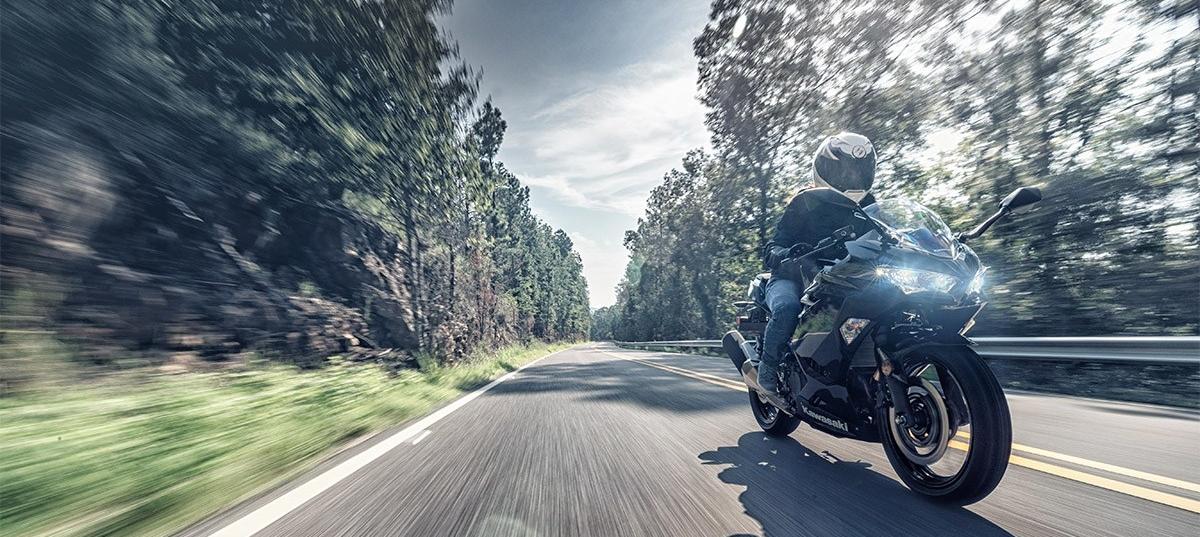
(892, 387)
(898, 394)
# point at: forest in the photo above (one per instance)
(239, 236)
(1093, 101)
(211, 179)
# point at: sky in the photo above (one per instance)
(600, 101)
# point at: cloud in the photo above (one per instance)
(594, 149)
(604, 147)
(599, 107)
(629, 202)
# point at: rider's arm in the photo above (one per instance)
(774, 255)
(788, 233)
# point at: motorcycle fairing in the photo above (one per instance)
(826, 355)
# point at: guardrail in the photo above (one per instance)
(1176, 350)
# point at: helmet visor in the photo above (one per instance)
(846, 173)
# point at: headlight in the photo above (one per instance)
(914, 280)
(976, 286)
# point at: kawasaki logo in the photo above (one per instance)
(836, 424)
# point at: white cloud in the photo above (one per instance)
(604, 199)
(603, 148)
(600, 102)
(625, 130)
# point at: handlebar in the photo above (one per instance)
(838, 238)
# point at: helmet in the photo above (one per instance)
(845, 162)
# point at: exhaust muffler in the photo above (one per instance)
(742, 354)
(734, 344)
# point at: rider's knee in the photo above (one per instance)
(789, 308)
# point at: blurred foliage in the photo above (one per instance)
(1041, 92)
(604, 323)
(192, 166)
(146, 454)
(196, 185)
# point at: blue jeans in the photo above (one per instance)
(783, 297)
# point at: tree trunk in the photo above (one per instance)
(414, 266)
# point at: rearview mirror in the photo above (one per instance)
(1026, 195)
(1021, 197)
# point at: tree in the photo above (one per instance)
(333, 149)
(1038, 95)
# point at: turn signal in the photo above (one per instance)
(852, 328)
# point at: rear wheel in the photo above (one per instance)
(956, 446)
(773, 421)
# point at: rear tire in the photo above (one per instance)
(990, 442)
(773, 421)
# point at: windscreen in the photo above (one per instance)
(914, 225)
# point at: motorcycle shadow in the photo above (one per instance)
(792, 490)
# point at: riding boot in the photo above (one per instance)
(768, 377)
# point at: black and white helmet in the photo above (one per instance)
(845, 162)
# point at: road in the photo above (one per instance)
(603, 441)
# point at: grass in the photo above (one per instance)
(146, 454)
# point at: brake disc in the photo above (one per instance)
(924, 442)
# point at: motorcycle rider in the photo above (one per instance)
(844, 162)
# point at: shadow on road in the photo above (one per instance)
(618, 381)
(790, 490)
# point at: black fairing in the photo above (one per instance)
(831, 358)
(832, 382)
(837, 381)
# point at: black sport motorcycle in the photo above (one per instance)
(896, 368)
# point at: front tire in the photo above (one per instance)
(773, 421)
(987, 445)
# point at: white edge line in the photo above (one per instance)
(421, 436)
(265, 515)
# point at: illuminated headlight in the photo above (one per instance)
(852, 328)
(976, 285)
(914, 280)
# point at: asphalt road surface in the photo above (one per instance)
(603, 441)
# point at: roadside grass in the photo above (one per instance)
(140, 453)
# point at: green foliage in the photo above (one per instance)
(301, 107)
(1038, 95)
(684, 252)
(99, 458)
(604, 323)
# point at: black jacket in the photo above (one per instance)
(812, 215)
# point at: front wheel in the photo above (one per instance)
(956, 445)
(773, 421)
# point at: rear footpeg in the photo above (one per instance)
(750, 377)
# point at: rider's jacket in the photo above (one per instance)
(809, 218)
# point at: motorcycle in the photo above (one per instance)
(896, 367)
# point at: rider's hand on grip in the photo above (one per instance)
(800, 249)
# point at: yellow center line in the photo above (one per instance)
(1144, 493)
(703, 377)
(1136, 474)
